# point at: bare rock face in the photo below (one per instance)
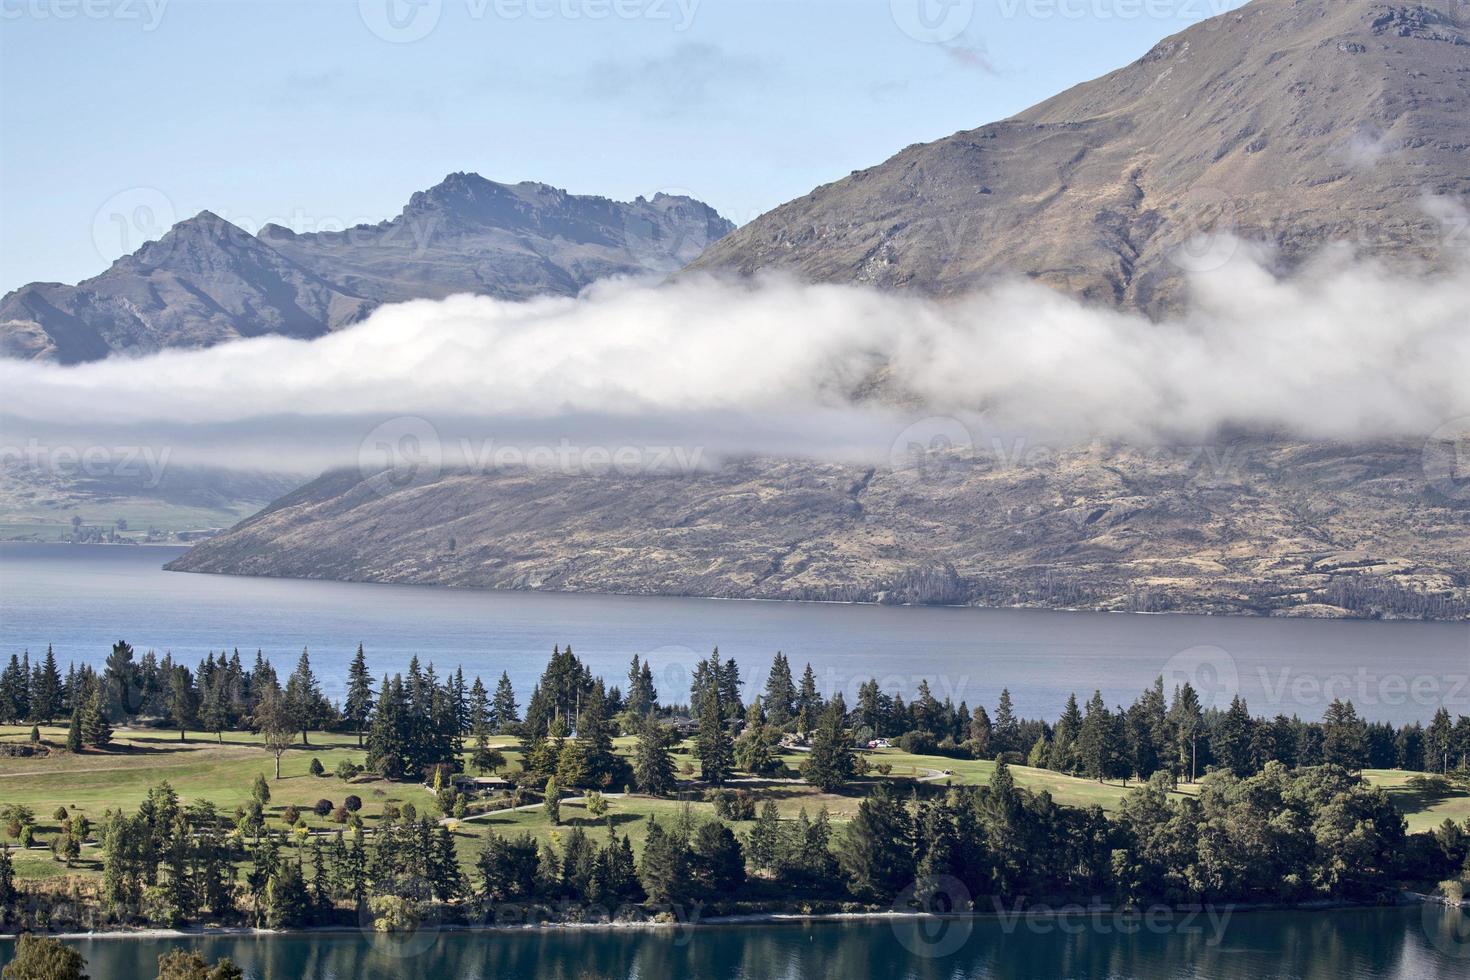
(1291, 122)
(1253, 527)
(207, 281)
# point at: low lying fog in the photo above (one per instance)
(1343, 350)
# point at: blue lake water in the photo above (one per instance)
(1360, 944)
(81, 598)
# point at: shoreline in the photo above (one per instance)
(1205, 614)
(1220, 913)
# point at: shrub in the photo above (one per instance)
(596, 804)
(61, 814)
(27, 835)
(391, 811)
(917, 743)
(290, 814)
(316, 767)
(339, 815)
(322, 808)
(347, 769)
(884, 768)
(352, 804)
(410, 812)
(732, 804)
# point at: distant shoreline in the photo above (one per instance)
(1219, 913)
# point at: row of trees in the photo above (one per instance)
(1279, 835)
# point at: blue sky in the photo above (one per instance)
(118, 116)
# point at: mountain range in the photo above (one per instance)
(1291, 124)
(1294, 123)
(207, 281)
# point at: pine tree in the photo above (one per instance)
(594, 737)
(387, 754)
(653, 766)
(183, 702)
(1344, 736)
(1231, 740)
(96, 731)
(46, 690)
(664, 871)
(74, 732)
(122, 692)
(982, 742)
(830, 763)
(714, 746)
(808, 701)
(358, 708)
(304, 701)
(879, 855)
(1437, 742)
(504, 713)
(1006, 736)
(780, 696)
(1187, 720)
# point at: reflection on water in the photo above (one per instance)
(1371, 944)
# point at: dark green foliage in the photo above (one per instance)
(830, 763)
(43, 958)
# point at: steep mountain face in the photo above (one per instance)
(208, 281)
(1254, 528)
(1291, 122)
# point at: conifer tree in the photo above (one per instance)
(780, 695)
(653, 767)
(714, 747)
(504, 713)
(358, 708)
(830, 763)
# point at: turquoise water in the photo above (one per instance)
(82, 598)
(1360, 944)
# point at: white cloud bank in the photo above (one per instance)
(1342, 350)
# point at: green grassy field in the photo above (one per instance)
(200, 767)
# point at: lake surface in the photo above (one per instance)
(80, 598)
(1365, 944)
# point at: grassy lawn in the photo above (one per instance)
(1425, 809)
(199, 768)
(203, 768)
